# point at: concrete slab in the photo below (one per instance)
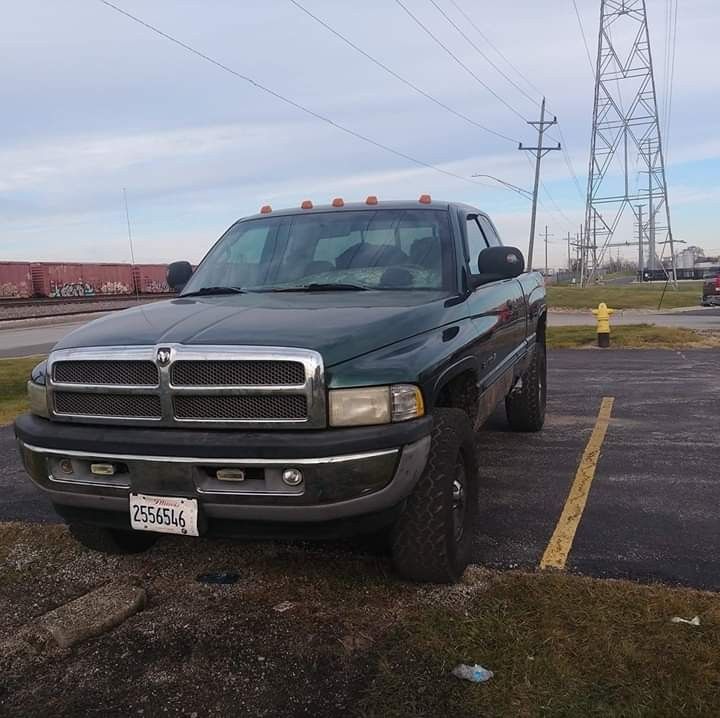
(90, 615)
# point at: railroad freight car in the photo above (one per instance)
(150, 279)
(75, 279)
(15, 280)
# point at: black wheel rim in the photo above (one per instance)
(459, 502)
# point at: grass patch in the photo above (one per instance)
(560, 646)
(627, 296)
(14, 374)
(631, 336)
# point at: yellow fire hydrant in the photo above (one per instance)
(603, 315)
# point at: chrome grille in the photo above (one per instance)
(174, 385)
(273, 406)
(124, 373)
(237, 373)
(140, 406)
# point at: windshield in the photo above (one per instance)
(366, 249)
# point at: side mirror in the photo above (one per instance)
(178, 274)
(496, 263)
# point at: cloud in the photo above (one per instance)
(99, 103)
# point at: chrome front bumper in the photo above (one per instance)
(333, 487)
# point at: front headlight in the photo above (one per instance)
(375, 405)
(37, 392)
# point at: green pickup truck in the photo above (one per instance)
(322, 372)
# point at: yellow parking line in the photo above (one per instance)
(561, 541)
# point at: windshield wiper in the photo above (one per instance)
(204, 291)
(325, 287)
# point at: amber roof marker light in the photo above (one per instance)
(372, 199)
(265, 209)
(307, 204)
(425, 199)
(338, 202)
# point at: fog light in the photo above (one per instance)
(102, 469)
(292, 477)
(66, 466)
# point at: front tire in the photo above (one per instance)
(112, 541)
(525, 407)
(432, 539)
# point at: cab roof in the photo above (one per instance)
(360, 206)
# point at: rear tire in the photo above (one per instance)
(432, 539)
(525, 407)
(112, 541)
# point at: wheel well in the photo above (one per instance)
(541, 326)
(461, 392)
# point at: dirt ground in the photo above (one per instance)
(203, 649)
(353, 641)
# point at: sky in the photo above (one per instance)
(93, 103)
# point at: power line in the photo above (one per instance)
(287, 100)
(563, 142)
(481, 53)
(672, 81)
(584, 38)
(569, 163)
(666, 60)
(396, 75)
(429, 32)
(557, 211)
(495, 47)
(389, 70)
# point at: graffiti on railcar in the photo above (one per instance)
(85, 289)
(10, 289)
(70, 289)
(154, 286)
(114, 288)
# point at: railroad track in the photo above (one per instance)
(12, 310)
(51, 301)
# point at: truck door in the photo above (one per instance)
(498, 308)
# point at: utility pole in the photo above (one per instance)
(546, 249)
(651, 217)
(578, 255)
(569, 258)
(640, 240)
(130, 242)
(539, 152)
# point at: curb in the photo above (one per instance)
(90, 615)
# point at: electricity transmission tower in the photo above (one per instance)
(625, 134)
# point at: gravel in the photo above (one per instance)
(46, 308)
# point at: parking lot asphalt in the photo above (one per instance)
(652, 507)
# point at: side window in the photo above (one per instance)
(489, 231)
(476, 242)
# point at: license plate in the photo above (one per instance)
(165, 514)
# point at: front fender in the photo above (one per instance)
(429, 360)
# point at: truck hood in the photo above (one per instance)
(339, 325)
